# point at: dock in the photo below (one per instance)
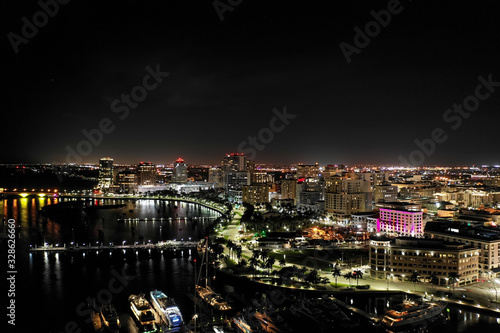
(166, 245)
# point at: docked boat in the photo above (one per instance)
(412, 313)
(143, 312)
(272, 322)
(334, 312)
(247, 324)
(109, 317)
(205, 293)
(167, 309)
(309, 311)
(212, 298)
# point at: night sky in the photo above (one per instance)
(225, 78)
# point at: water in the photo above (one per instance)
(53, 288)
(454, 319)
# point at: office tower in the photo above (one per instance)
(345, 196)
(127, 181)
(215, 177)
(288, 189)
(180, 171)
(307, 171)
(146, 172)
(105, 173)
(385, 193)
(256, 193)
(234, 162)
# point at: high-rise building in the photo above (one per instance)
(235, 162)
(256, 193)
(146, 173)
(105, 173)
(345, 196)
(235, 172)
(385, 193)
(262, 177)
(332, 170)
(215, 177)
(180, 171)
(307, 171)
(288, 189)
(127, 181)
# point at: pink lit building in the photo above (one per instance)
(400, 223)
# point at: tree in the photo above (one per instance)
(269, 263)
(313, 277)
(336, 273)
(253, 263)
(263, 254)
(357, 274)
(242, 263)
(282, 262)
(324, 281)
(434, 279)
(348, 276)
(453, 278)
(414, 278)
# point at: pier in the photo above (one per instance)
(166, 245)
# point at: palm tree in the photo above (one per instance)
(269, 263)
(253, 263)
(453, 277)
(358, 274)
(242, 263)
(312, 277)
(434, 278)
(324, 281)
(263, 254)
(349, 276)
(282, 262)
(336, 273)
(414, 277)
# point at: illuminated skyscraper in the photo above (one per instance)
(105, 173)
(180, 171)
(146, 173)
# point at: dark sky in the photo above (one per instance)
(227, 76)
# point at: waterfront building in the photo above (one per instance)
(105, 173)
(127, 181)
(215, 177)
(146, 172)
(180, 171)
(485, 239)
(399, 258)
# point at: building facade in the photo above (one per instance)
(180, 171)
(105, 173)
(255, 194)
(486, 240)
(146, 173)
(401, 257)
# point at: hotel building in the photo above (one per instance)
(399, 258)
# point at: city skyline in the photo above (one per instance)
(206, 81)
